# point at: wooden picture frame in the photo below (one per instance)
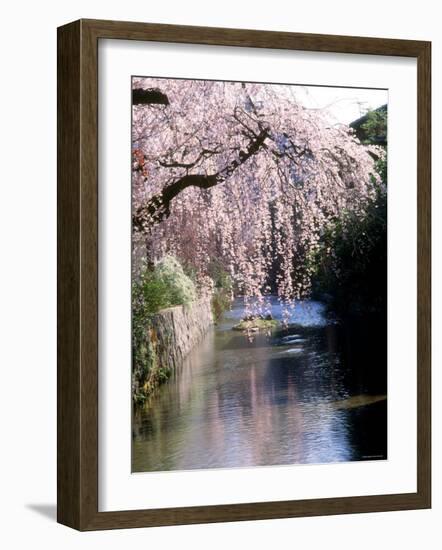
(77, 226)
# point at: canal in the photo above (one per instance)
(314, 392)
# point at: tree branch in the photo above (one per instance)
(151, 96)
(158, 207)
(203, 154)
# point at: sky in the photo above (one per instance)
(344, 104)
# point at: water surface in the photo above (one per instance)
(312, 393)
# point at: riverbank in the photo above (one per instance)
(172, 333)
(313, 392)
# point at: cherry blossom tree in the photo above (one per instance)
(243, 173)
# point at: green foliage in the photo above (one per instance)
(149, 294)
(381, 168)
(180, 287)
(351, 264)
(374, 127)
(219, 276)
(223, 289)
(221, 301)
(144, 360)
(164, 286)
(372, 130)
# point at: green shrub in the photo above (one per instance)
(374, 129)
(223, 289)
(351, 263)
(180, 287)
(163, 286)
(221, 301)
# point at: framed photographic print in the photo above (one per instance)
(243, 275)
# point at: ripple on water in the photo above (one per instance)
(283, 399)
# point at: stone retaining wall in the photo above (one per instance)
(170, 337)
(176, 330)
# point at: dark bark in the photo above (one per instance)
(151, 96)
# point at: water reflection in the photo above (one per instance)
(297, 396)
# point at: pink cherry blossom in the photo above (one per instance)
(243, 173)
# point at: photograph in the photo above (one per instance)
(259, 274)
(219, 255)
